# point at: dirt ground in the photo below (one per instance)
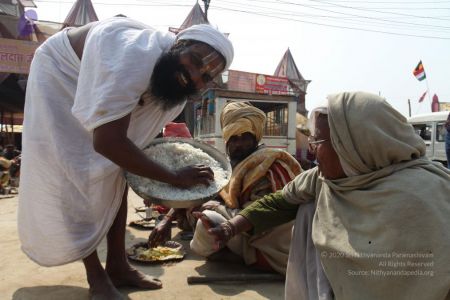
(20, 278)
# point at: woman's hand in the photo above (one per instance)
(193, 175)
(160, 233)
(210, 205)
(222, 232)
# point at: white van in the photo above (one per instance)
(431, 127)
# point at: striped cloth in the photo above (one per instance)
(276, 165)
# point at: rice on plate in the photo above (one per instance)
(176, 153)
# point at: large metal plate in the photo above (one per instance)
(134, 180)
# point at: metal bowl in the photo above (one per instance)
(135, 181)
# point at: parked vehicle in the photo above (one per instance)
(280, 112)
(432, 130)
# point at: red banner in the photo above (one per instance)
(258, 83)
(272, 85)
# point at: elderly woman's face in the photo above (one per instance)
(329, 164)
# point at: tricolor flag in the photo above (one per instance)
(422, 97)
(419, 72)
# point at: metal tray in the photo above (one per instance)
(132, 255)
(134, 180)
(143, 224)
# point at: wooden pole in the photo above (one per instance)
(264, 277)
(429, 94)
(206, 2)
(409, 107)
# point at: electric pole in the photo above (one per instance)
(206, 2)
(409, 107)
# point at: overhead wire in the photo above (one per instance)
(336, 26)
(373, 20)
(389, 2)
(336, 16)
(365, 17)
(374, 10)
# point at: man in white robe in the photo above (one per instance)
(96, 96)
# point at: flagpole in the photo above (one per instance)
(409, 107)
(429, 94)
(420, 74)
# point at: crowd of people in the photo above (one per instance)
(99, 93)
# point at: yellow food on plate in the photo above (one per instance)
(158, 253)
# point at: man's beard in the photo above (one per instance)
(164, 85)
(240, 154)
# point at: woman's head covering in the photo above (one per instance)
(239, 117)
(320, 110)
(398, 203)
(368, 134)
(209, 35)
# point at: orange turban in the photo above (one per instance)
(240, 117)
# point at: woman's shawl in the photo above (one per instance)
(382, 234)
(253, 168)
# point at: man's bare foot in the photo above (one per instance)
(101, 288)
(126, 275)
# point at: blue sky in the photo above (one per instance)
(334, 58)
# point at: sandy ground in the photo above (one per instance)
(20, 278)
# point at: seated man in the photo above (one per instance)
(257, 171)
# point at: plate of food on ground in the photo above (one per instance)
(141, 208)
(144, 224)
(176, 153)
(167, 252)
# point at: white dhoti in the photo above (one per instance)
(69, 194)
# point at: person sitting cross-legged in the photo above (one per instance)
(257, 171)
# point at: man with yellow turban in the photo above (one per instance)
(257, 171)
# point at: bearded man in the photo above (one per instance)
(257, 171)
(96, 96)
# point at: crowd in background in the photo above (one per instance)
(9, 169)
